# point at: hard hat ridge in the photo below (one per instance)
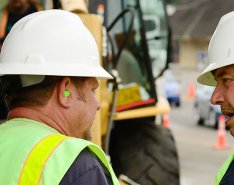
(220, 50)
(51, 42)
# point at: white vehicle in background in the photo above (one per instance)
(206, 113)
(172, 90)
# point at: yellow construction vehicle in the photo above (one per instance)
(139, 50)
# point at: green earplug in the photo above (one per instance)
(66, 93)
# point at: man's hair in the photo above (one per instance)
(34, 95)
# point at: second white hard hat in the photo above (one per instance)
(220, 50)
(51, 42)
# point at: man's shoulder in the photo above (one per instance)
(86, 169)
(87, 160)
(228, 178)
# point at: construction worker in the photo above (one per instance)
(49, 65)
(220, 73)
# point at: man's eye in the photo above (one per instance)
(226, 81)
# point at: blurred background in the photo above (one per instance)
(192, 119)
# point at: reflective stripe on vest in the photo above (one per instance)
(37, 159)
(223, 169)
(41, 155)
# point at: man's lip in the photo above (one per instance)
(228, 120)
(226, 113)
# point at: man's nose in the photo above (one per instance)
(217, 97)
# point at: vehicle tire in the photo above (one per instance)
(199, 119)
(212, 119)
(146, 153)
(178, 104)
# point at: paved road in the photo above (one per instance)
(199, 160)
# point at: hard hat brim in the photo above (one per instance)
(78, 70)
(207, 78)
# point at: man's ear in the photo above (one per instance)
(64, 88)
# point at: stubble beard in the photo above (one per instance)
(87, 135)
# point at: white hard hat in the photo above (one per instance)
(51, 42)
(220, 50)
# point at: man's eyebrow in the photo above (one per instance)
(222, 73)
(218, 74)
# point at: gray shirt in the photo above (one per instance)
(87, 170)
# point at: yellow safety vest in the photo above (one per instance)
(223, 169)
(32, 153)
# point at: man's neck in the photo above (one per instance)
(38, 115)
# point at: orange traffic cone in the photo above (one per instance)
(221, 136)
(191, 91)
(166, 122)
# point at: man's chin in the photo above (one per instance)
(87, 136)
(231, 130)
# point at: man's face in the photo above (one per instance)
(223, 94)
(85, 107)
